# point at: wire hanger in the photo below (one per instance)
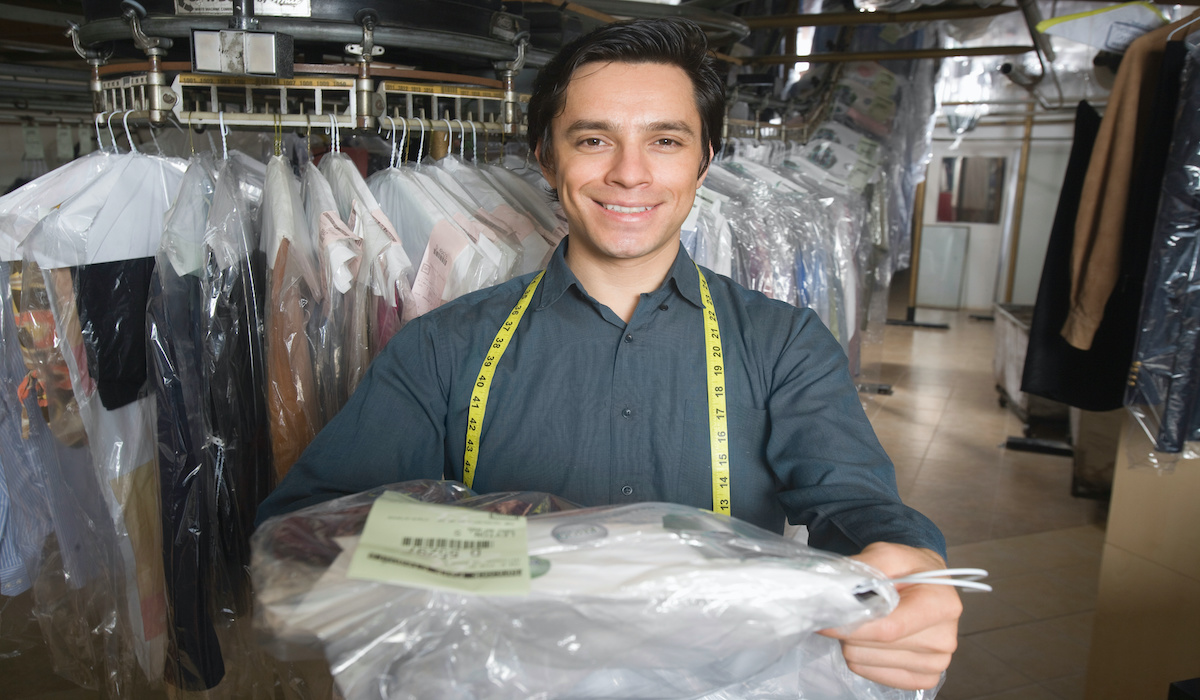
(1185, 25)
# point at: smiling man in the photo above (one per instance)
(626, 373)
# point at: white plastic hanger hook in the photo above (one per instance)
(99, 138)
(224, 133)
(449, 137)
(335, 137)
(474, 145)
(128, 135)
(403, 140)
(961, 578)
(111, 136)
(392, 160)
(462, 141)
(421, 146)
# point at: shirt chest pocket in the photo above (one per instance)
(748, 431)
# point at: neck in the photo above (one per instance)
(619, 284)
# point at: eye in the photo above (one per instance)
(668, 142)
(591, 142)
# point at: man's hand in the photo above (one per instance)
(911, 647)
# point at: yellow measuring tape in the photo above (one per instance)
(718, 419)
(483, 385)
(718, 424)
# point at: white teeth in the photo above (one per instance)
(626, 210)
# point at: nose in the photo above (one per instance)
(630, 167)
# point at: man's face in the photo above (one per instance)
(626, 159)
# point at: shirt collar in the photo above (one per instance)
(559, 278)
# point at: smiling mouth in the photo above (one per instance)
(626, 210)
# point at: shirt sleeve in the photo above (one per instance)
(392, 429)
(837, 479)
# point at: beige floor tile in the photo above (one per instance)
(1042, 596)
(1067, 688)
(1041, 650)
(1029, 692)
(986, 611)
(974, 672)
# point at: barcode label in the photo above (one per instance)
(444, 543)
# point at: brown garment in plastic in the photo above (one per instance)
(1100, 224)
(291, 384)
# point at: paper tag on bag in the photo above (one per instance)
(437, 547)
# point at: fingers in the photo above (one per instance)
(921, 607)
(904, 679)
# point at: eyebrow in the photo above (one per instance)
(602, 125)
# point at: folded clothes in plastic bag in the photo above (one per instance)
(652, 600)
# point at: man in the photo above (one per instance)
(605, 380)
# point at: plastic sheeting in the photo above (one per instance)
(213, 460)
(1164, 390)
(645, 601)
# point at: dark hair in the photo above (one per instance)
(672, 41)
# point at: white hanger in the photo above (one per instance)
(1185, 25)
(111, 136)
(99, 139)
(449, 137)
(421, 147)
(125, 121)
(462, 142)
(392, 159)
(224, 133)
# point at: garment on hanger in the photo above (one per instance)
(383, 290)
(1099, 256)
(73, 559)
(1094, 379)
(453, 262)
(205, 314)
(293, 298)
(1164, 386)
(494, 206)
(339, 253)
(112, 219)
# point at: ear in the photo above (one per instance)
(547, 170)
(704, 173)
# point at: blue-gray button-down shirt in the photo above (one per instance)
(600, 411)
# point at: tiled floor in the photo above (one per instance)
(1008, 512)
(1005, 511)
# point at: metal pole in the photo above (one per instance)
(1019, 204)
(842, 57)
(914, 267)
(825, 19)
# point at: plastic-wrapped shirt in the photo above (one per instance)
(653, 600)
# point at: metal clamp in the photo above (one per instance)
(507, 73)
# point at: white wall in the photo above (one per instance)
(987, 250)
(1047, 165)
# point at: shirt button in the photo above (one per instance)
(628, 337)
(627, 490)
(663, 307)
(627, 412)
